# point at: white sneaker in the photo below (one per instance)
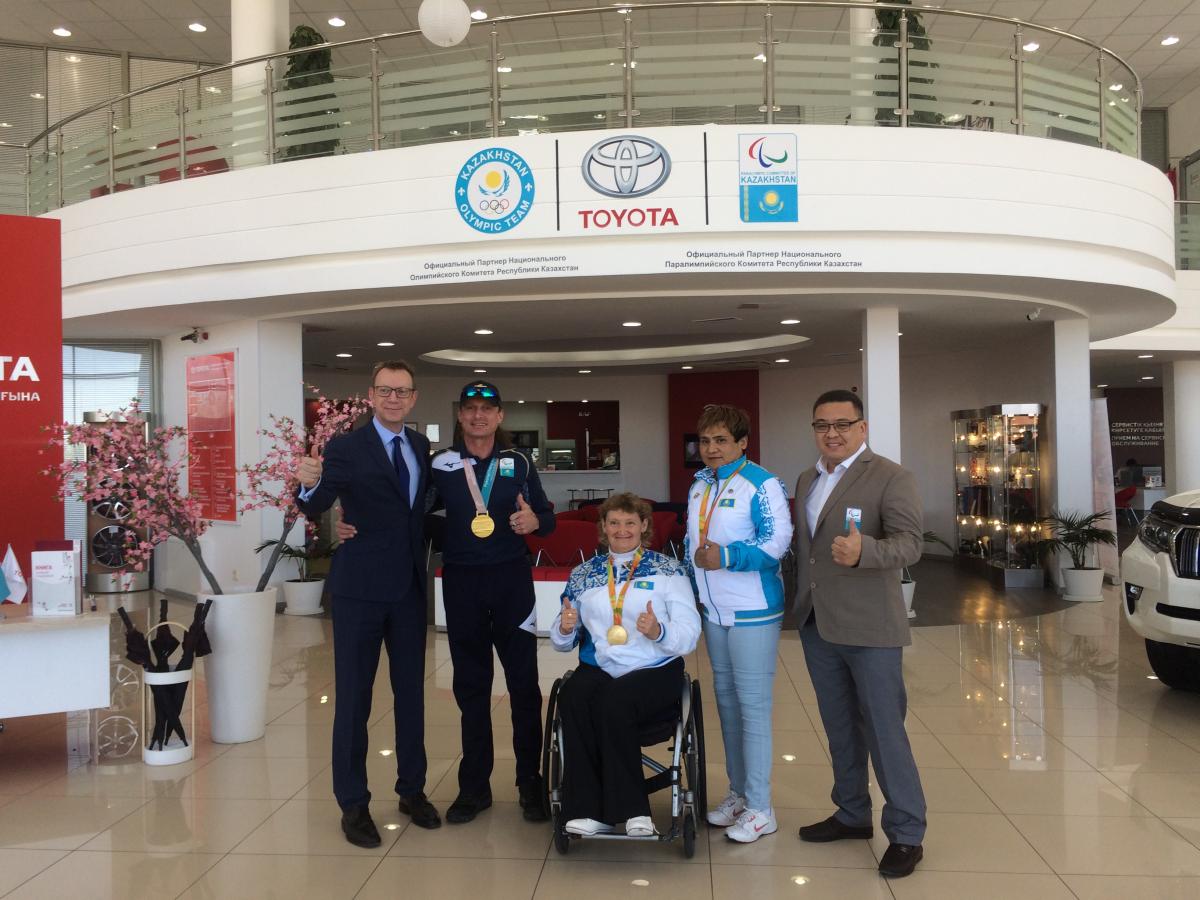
(729, 810)
(751, 825)
(587, 827)
(640, 826)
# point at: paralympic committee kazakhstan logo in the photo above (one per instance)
(768, 178)
(494, 190)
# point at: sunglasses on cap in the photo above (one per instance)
(486, 392)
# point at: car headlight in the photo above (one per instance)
(1156, 534)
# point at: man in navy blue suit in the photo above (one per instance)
(380, 473)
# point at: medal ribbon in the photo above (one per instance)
(615, 600)
(481, 499)
(707, 513)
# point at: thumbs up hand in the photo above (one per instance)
(524, 520)
(847, 548)
(569, 619)
(308, 472)
(648, 624)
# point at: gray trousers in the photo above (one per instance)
(860, 693)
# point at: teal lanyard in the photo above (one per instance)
(489, 481)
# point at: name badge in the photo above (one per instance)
(728, 501)
(853, 515)
(644, 585)
(507, 468)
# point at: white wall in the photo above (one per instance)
(643, 436)
(268, 380)
(1183, 126)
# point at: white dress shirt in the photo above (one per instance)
(823, 487)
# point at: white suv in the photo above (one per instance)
(1161, 575)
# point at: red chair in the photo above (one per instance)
(568, 545)
(665, 523)
(1123, 498)
(590, 513)
(570, 515)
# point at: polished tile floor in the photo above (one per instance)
(1055, 767)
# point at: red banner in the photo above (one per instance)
(30, 380)
(212, 443)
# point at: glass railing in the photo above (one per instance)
(1187, 234)
(641, 65)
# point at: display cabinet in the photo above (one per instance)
(997, 491)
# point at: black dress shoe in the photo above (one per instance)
(900, 860)
(466, 808)
(833, 830)
(420, 810)
(359, 829)
(532, 797)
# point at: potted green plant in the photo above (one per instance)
(303, 594)
(1075, 534)
(908, 584)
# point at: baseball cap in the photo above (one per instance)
(480, 390)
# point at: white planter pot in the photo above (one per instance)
(241, 628)
(303, 598)
(909, 588)
(1083, 584)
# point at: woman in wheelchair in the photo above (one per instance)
(633, 616)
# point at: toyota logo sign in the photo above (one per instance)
(626, 166)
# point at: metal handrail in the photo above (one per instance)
(616, 7)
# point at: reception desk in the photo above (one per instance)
(52, 664)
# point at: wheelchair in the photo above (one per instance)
(685, 775)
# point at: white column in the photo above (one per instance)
(257, 27)
(861, 35)
(1071, 415)
(1181, 414)
(881, 379)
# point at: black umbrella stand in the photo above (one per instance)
(165, 691)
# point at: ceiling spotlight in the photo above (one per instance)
(61, 32)
(1031, 47)
(685, 368)
(632, 324)
(38, 95)
(72, 58)
(899, 334)
(213, 89)
(598, 116)
(484, 331)
(1169, 41)
(478, 15)
(1147, 378)
(480, 371)
(549, 401)
(386, 344)
(520, 401)
(762, 57)
(1102, 385)
(782, 360)
(585, 371)
(198, 28)
(503, 70)
(345, 355)
(789, 321)
(583, 401)
(1115, 86)
(337, 22)
(1145, 356)
(5, 125)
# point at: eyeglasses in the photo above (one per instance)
(402, 392)
(841, 426)
(479, 392)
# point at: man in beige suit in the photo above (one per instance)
(858, 523)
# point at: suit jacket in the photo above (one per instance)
(861, 606)
(389, 549)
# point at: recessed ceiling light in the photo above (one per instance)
(213, 89)
(632, 324)
(1112, 102)
(480, 371)
(198, 28)
(799, 879)
(345, 355)
(583, 401)
(762, 57)
(386, 344)
(1115, 86)
(1169, 41)
(71, 58)
(503, 70)
(337, 22)
(585, 371)
(38, 95)
(782, 360)
(62, 32)
(899, 334)
(685, 367)
(520, 401)
(1145, 356)
(789, 321)
(1147, 378)
(549, 401)
(478, 15)
(484, 331)
(5, 125)
(1101, 385)
(598, 116)
(1031, 47)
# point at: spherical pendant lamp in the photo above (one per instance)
(444, 22)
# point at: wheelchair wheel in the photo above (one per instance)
(562, 840)
(696, 768)
(550, 774)
(689, 836)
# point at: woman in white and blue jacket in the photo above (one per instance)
(633, 615)
(739, 527)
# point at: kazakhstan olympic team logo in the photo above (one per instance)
(494, 190)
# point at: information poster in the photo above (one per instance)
(212, 447)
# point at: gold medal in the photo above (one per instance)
(482, 525)
(617, 635)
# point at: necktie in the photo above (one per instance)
(401, 467)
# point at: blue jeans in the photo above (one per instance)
(743, 661)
